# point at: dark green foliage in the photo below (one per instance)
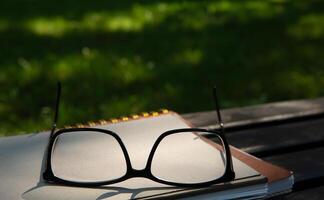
(121, 57)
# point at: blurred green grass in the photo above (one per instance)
(121, 57)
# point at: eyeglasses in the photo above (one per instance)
(104, 159)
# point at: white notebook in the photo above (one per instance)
(22, 159)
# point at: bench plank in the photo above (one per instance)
(259, 114)
(280, 138)
(307, 164)
(310, 194)
(289, 134)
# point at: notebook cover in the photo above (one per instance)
(274, 173)
(22, 156)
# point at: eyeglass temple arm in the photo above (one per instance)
(218, 110)
(222, 125)
(57, 105)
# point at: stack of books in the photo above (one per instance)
(22, 164)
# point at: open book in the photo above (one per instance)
(22, 163)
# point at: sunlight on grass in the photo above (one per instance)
(245, 10)
(132, 20)
(139, 17)
(308, 27)
(55, 27)
(128, 22)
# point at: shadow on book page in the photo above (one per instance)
(53, 192)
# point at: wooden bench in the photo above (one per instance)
(289, 134)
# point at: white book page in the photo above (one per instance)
(22, 157)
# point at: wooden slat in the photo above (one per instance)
(286, 137)
(308, 171)
(288, 134)
(307, 164)
(260, 114)
(306, 161)
(310, 194)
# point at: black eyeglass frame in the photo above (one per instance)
(50, 177)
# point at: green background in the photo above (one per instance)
(121, 57)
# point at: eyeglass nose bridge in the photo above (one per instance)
(138, 173)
